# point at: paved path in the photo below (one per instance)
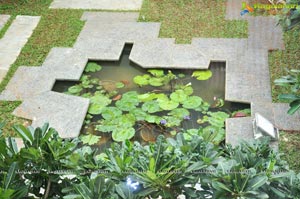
(103, 38)
(13, 41)
(98, 4)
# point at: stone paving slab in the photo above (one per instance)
(264, 109)
(165, 53)
(63, 112)
(27, 82)
(98, 4)
(3, 20)
(14, 39)
(241, 129)
(65, 64)
(110, 17)
(265, 33)
(233, 10)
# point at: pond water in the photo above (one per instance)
(124, 71)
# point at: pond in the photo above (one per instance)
(143, 103)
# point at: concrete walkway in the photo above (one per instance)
(14, 40)
(98, 4)
(103, 38)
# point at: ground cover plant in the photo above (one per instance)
(51, 167)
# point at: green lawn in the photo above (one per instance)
(57, 28)
(185, 19)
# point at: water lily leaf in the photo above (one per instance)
(151, 107)
(202, 74)
(188, 135)
(75, 89)
(90, 139)
(126, 104)
(167, 104)
(213, 134)
(131, 95)
(98, 102)
(154, 81)
(153, 119)
(120, 85)
(216, 119)
(161, 96)
(147, 97)
(139, 114)
(120, 135)
(156, 72)
(192, 102)
(181, 75)
(172, 121)
(109, 113)
(141, 80)
(188, 90)
(179, 112)
(106, 127)
(178, 96)
(92, 67)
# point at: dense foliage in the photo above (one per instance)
(50, 167)
(291, 81)
(290, 18)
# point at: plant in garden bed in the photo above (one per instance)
(163, 168)
(291, 81)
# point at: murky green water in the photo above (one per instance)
(124, 71)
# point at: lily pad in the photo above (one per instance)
(120, 85)
(75, 89)
(213, 134)
(120, 135)
(139, 114)
(167, 104)
(151, 107)
(90, 139)
(216, 119)
(156, 72)
(153, 119)
(188, 135)
(141, 80)
(188, 90)
(192, 102)
(155, 81)
(172, 121)
(146, 97)
(92, 67)
(98, 102)
(202, 74)
(179, 112)
(126, 104)
(109, 113)
(178, 96)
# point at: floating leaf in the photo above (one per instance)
(141, 80)
(120, 85)
(156, 72)
(154, 81)
(92, 67)
(139, 114)
(181, 75)
(202, 74)
(151, 107)
(172, 121)
(126, 104)
(98, 102)
(216, 119)
(109, 113)
(153, 119)
(188, 90)
(188, 135)
(75, 89)
(120, 135)
(178, 96)
(146, 97)
(192, 102)
(168, 104)
(213, 134)
(90, 139)
(179, 112)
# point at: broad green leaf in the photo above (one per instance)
(256, 182)
(92, 67)
(120, 85)
(154, 81)
(109, 113)
(156, 72)
(151, 107)
(141, 80)
(75, 89)
(90, 139)
(179, 113)
(295, 106)
(202, 74)
(167, 104)
(10, 175)
(120, 135)
(178, 96)
(192, 102)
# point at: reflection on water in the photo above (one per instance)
(124, 71)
